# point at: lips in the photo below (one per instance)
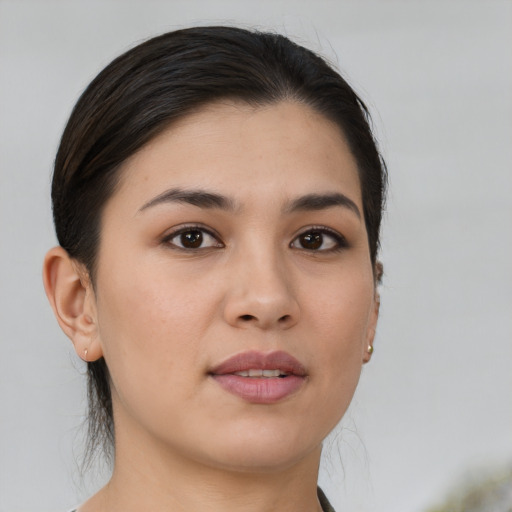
(260, 378)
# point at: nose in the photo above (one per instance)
(261, 295)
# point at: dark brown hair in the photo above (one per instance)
(144, 90)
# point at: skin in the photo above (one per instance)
(164, 316)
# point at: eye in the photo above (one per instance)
(319, 239)
(191, 238)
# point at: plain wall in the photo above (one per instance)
(435, 402)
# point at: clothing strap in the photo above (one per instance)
(324, 502)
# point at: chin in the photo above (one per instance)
(263, 460)
(263, 450)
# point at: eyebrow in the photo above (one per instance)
(204, 199)
(199, 198)
(313, 202)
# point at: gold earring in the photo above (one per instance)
(85, 355)
(370, 350)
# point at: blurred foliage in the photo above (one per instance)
(491, 494)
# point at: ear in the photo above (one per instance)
(71, 296)
(372, 327)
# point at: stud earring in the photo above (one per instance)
(370, 350)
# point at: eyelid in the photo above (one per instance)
(336, 235)
(341, 242)
(176, 231)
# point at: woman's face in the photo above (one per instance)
(235, 244)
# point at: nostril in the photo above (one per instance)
(283, 321)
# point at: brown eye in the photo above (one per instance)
(312, 240)
(319, 240)
(192, 238)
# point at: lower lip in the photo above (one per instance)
(264, 390)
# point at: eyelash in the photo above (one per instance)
(188, 229)
(340, 241)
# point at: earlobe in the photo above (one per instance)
(71, 296)
(374, 316)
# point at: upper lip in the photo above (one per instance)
(278, 360)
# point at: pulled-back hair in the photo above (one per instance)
(143, 91)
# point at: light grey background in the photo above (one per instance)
(435, 402)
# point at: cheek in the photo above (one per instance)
(341, 312)
(340, 329)
(150, 324)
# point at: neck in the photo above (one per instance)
(154, 478)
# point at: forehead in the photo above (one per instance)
(246, 152)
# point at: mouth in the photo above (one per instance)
(260, 378)
(258, 373)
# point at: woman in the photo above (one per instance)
(217, 198)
